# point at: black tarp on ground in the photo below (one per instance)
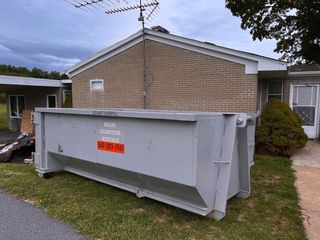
(16, 150)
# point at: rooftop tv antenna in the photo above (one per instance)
(148, 9)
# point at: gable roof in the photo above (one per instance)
(253, 63)
(304, 68)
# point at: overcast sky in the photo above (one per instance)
(54, 35)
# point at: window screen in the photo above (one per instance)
(13, 106)
(66, 93)
(17, 105)
(305, 102)
(275, 89)
(21, 104)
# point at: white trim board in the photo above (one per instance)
(253, 63)
(305, 73)
(26, 81)
(66, 81)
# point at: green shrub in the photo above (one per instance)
(68, 102)
(280, 131)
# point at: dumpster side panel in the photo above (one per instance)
(152, 147)
(71, 136)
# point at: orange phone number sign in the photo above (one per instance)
(110, 147)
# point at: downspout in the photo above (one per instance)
(141, 18)
(144, 70)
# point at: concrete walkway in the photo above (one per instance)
(22, 221)
(306, 163)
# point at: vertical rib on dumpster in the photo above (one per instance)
(45, 163)
(224, 165)
(244, 163)
(39, 154)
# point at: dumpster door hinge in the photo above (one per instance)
(36, 118)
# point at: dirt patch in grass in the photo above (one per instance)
(138, 210)
(274, 179)
(162, 217)
(104, 212)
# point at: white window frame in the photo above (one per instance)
(9, 101)
(96, 80)
(280, 80)
(52, 95)
(64, 94)
(317, 113)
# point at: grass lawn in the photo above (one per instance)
(3, 117)
(104, 212)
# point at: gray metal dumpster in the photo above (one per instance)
(191, 160)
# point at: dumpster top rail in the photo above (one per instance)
(150, 114)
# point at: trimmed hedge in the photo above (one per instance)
(280, 132)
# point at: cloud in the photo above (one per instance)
(54, 34)
(4, 49)
(50, 55)
(55, 61)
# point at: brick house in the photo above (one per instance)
(176, 73)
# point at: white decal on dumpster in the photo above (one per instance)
(110, 135)
(110, 139)
(109, 124)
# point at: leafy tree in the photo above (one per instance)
(293, 23)
(54, 75)
(2, 98)
(64, 76)
(36, 73)
(25, 72)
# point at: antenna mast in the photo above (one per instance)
(149, 6)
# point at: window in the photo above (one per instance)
(275, 89)
(96, 85)
(17, 104)
(51, 101)
(66, 93)
(304, 103)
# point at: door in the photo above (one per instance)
(304, 101)
(51, 101)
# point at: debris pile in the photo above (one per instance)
(18, 150)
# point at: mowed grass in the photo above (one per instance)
(3, 117)
(104, 212)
